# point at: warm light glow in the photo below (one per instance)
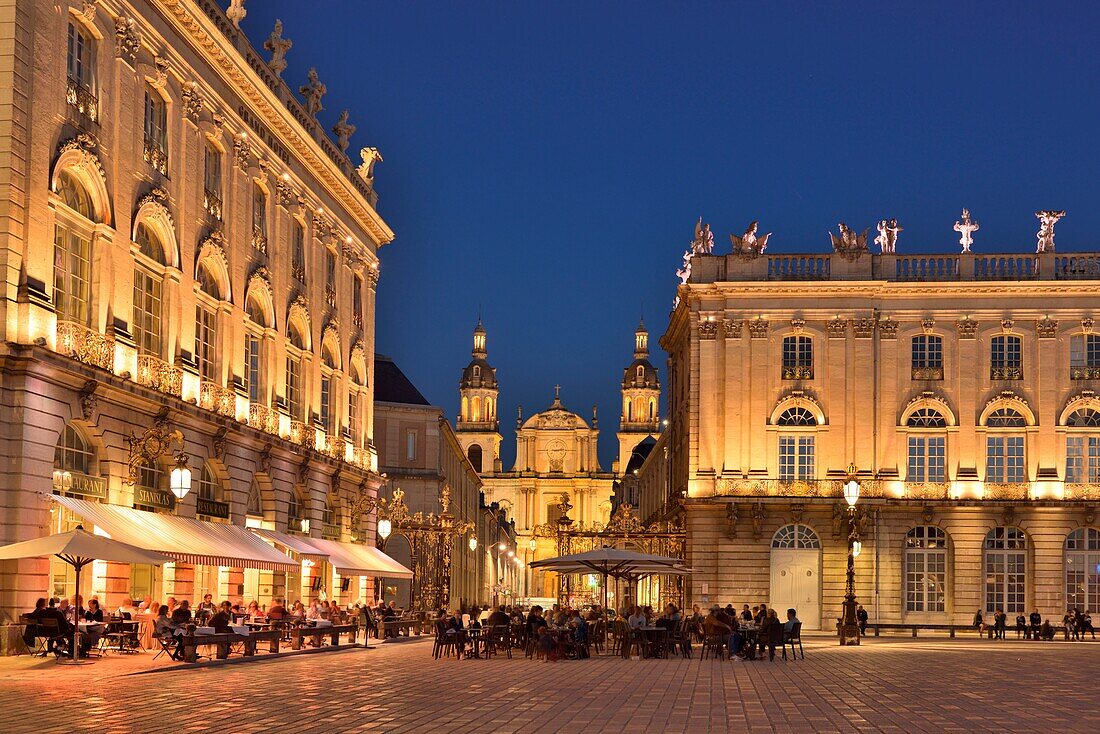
(533, 544)
(385, 527)
(286, 176)
(180, 481)
(473, 543)
(511, 554)
(501, 546)
(857, 547)
(306, 563)
(851, 492)
(519, 562)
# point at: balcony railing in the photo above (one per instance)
(1006, 373)
(216, 398)
(798, 372)
(154, 372)
(1077, 267)
(80, 98)
(334, 446)
(927, 267)
(330, 296)
(259, 239)
(1084, 373)
(1006, 267)
(357, 320)
(785, 487)
(212, 203)
(798, 267)
(156, 155)
(1006, 490)
(330, 531)
(85, 345)
(263, 418)
(928, 372)
(299, 272)
(301, 434)
(1079, 491)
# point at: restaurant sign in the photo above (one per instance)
(157, 498)
(80, 484)
(213, 508)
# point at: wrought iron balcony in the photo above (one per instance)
(334, 447)
(357, 320)
(156, 155)
(154, 372)
(259, 239)
(263, 418)
(301, 434)
(1006, 490)
(212, 203)
(1006, 373)
(1082, 491)
(1084, 373)
(85, 345)
(330, 296)
(217, 398)
(928, 373)
(80, 98)
(330, 531)
(299, 272)
(798, 372)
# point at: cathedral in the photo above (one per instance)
(556, 455)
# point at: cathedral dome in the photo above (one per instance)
(556, 416)
(479, 373)
(641, 374)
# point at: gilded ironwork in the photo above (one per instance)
(148, 448)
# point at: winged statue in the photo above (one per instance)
(849, 244)
(703, 244)
(749, 245)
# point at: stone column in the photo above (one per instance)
(734, 449)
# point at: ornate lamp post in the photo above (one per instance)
(849, 624)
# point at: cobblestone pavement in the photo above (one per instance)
(887, 685)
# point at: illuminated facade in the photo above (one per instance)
(960, 387)
(184, 249)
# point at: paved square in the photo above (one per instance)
(887, 685)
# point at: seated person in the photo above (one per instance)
(580, 636)
(222, 620)
(33, 628)
(713, 626)
(636, 618)
(746, 615)
(1036, 621)
(182, 613)
(207, 608)
(253, 610)
(1046, 630)
(127, 607)
(499, 618)
(163, 626)
(277, 610)
(792, 620)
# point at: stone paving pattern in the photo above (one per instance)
(887, 685)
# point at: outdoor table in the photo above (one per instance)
(322, 623)
(750, 636)
(476, 639)
(658, 640)
(88, 626)
(204, 631)
(241, 629)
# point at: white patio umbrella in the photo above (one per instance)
(616, 563)
(78, 548)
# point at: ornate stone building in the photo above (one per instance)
(190, 267)
(960, 389)
(556, 455)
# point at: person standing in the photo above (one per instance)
(861, 617)
(1036, 622)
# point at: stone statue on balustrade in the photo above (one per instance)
(313, 92)
(703, 243)
(749, 245)
(849, 245)
(887, 238)
(343, 130)
(366, 168)
(966, 227)
(1047, 219)
(278, 46)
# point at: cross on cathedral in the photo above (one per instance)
(557, 392)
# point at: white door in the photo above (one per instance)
(795, 584)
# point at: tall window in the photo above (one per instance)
(298, 251)
(147, 295)
(1005, 358)
(206, 326)
(253, 368)
(353, 416)
(81, 56)
(297, 519)
(72, 453)
(410, 445)
(927, 459)
(474, 454)
(925, 569)
(1083, 459)
(72, 264)
(796, 457)
(1005, 570)
(927, 357)
(1084, 357)
(208, 486)
(326, 402)
(212, 181)
(330, 278)
(1083, 569)
(357, 302)
(1004, 459)
(798, 358)
(294, 374)
(156, 131)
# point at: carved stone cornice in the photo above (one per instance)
(967, 328)
(1046, 328)
(837, 328)
(888, 329)
(863, 328)
(708, 329)
(732, 328)
(758, 328)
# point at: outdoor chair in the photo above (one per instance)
(46, 632)
(444, 643)
(775, 639)
(597, 634)
(794, 638)
(679, 639)
(169, 644)
(497, 639)
(714, 646)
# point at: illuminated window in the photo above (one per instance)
(927, 459)
(1005, 559)
(796, 457)
(1083, 569)
(925, 569)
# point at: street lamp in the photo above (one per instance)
(849, 625)
(385, 527)
(180, 479)
(501, 546)
(532, 544)
(473, 542)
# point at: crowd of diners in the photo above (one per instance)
(172, 617)
(1075, 624)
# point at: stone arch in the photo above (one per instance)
(928, 401)
(265, 490)
(297, 318)
(212, 256)
(330, 346)
(260, 292)
(1010, 400)
(358, 364)
(152, 213)
(1082, 401)
(797, 400)
(75, 158)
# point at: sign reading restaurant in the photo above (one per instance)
(81, 484)
(212, 508)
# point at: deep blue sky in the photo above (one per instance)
(546, 162)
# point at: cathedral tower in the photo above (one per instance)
(478, 429)
(640, 418)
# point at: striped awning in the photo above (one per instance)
(181, 538)
(294, 543)
(356, 559)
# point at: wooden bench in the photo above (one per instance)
(319, 633)
(403, 627)
(951, 629)
(272, 637)
(223, 641)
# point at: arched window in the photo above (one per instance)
(255, 507)
(1083, 569)
(148, 297)
(629, 408)
(490, 409)
(474, 455)
(798, 358)
(294, 401)
(796, 536)
(206, 324)
(652, 409)
(1005, 560)
(475, 407)
(926, 418)
(797, 416)
(1084, 418)
(73, 255)
(298, 251)
(297, 517)
(925, 569)
(254, 372)
(927, 452)
(74, 462)
(1006, 358)
(641, 374)
(1005, 460)
(156, 131)
(75, 196)
(212, 180)
(477, 372)
(330, 519)
(1005, 418)
(327, 414)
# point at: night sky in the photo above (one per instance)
(545, 163)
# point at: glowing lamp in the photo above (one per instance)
(180, 479)
(473, 542)
(856, 548)
(385, 527)
(501, 546)
(533, 544)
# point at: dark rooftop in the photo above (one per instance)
(391, 385)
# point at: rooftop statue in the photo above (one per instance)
(888, 235)
(703, 244)
(1047, 219)
(849, 244)
(278, 46)
(344, 130)
(366, 168)
(749, 245)
(966, 227)
(312, 93)
(236, 12)
(685, 269)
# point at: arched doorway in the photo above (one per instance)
(795, 573)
